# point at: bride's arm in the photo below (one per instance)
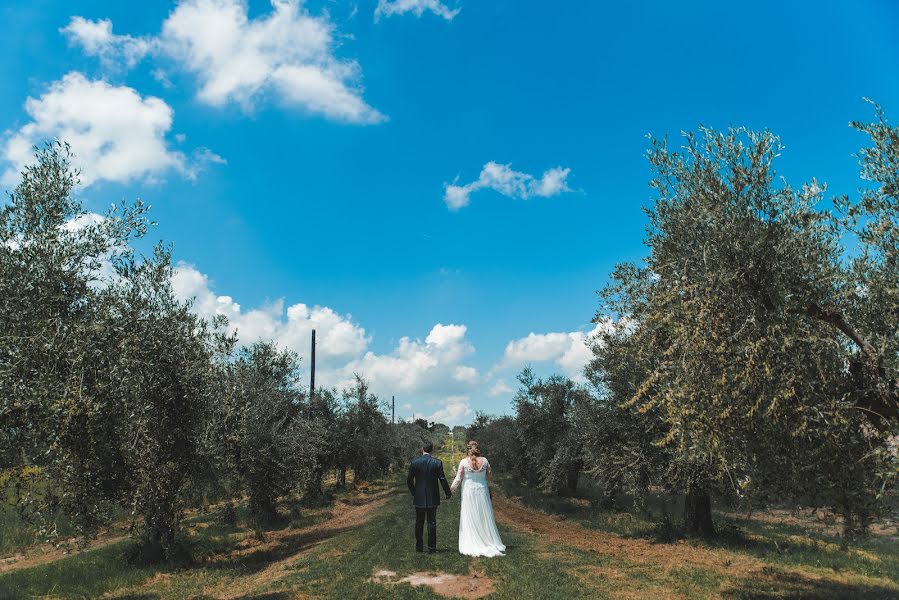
(460, 474)
(489, 477)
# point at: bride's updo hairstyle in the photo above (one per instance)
(473, 453)
(473, 449)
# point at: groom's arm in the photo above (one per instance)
(410, 480)
(442, 478)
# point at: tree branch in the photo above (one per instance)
(879, 402)
(836, 319)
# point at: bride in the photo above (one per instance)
(478, 535)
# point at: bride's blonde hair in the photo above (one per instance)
(473, 452)
(473, 449)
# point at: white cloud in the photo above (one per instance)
(514, 184)
(570, 351)
(338, 338)
(420, 367)
(324, 92)
(429, 370)
(201, 158)
(538, 347)
(466, 373)
(97, 39)
(500, 388)
(115, 133)
(288, 54)
(456, 410)
(87, 219)
(416, 7)
(429, 376)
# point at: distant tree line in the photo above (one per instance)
(114, 394)
(753, 356)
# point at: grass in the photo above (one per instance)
(340, 567)
(584, 508)
(556, 548)
(344, 567)
(16, 533)
(790, 545)
(792, 561)
(84, 575)
(104, 570)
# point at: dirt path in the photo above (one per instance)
(664, 556)
(45, 553)
(347, 514)
(279, 550)
(740, 572)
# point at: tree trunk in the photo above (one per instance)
(572, 478)
(611, 491)
(313, 489)
(262, 506)
(158, 541)
(641, 491)
(341, 477)
(698, 513)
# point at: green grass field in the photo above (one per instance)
(556, 549)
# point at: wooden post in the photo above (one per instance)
(312, 377)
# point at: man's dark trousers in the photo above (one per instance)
(425, 472)
(431, 515)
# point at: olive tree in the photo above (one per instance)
(321, 412)
(60, 415)
(164, 372)
(104, 375)
(754, 331)
(409, 439)
(497, 439)
(261, 427)
(621, 452)
(364, 439)
(551, 454)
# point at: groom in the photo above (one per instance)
(424, 473)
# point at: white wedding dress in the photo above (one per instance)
(478, 535)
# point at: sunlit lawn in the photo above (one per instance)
(324, 561)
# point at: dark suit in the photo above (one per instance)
(424, 473)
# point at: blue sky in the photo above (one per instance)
(298, 155)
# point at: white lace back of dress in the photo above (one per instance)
(478, 535)
(480, 474)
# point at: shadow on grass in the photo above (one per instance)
(772, 583)
(88, 574)
(294, 519)
(263, 596)
(277, 547)
(780, 543)
(359, 501)
(586, 508)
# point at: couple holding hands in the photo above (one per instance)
(478, 535)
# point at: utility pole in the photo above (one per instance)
(312, 378)
(392, 410)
